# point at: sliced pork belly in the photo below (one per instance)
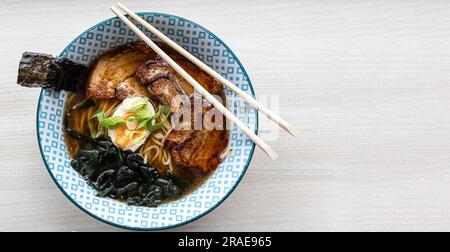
(197, 149)
(201, 150)
(131, 87)
(165, 84)
(204, 79)
(114, 67)
(161, 83)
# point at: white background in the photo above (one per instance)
(366, 83)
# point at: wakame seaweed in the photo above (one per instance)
(121, 174)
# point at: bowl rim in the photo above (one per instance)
(217, 204)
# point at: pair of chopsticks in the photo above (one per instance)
(199, 88)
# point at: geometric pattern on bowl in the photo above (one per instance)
(209, 49)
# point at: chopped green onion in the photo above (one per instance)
(112, 122)
(165, 110)
(141, 109)
(137, 104)
(99, 131)
(143, 112)
(143, 115)
(150, 126)
(154, 127)
(143, 123)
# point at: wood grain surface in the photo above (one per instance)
(366, 83)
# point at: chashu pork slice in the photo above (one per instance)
(131, 87)
(201, 150)
(161, 83)
(167, 93)
(207, 81)
(165, 84)
(197, 149)
(115, 67)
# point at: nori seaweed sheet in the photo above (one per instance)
(46, 71)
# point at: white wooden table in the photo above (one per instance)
(367, 83)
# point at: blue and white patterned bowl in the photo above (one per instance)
(208, 48)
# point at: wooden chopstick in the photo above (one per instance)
(249, 99)
(240, 125)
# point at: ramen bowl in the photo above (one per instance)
(209, 49)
